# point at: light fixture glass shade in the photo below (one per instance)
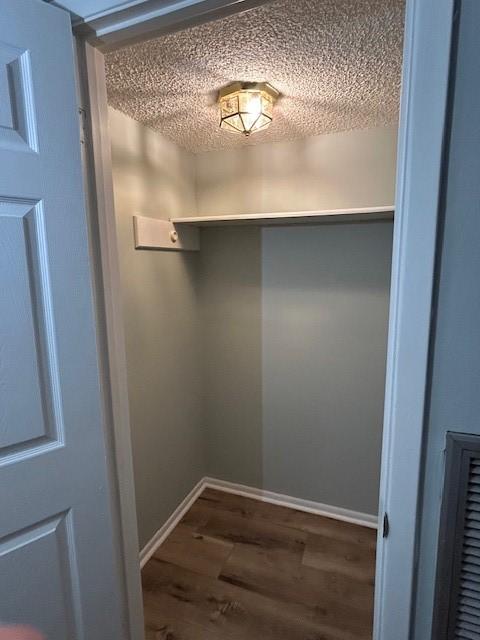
(246, 107)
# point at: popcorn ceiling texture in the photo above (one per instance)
(337, 64)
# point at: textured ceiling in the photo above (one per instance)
(337, 64)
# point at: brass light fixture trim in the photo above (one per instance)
(246, 107)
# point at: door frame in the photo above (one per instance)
(152, 18)
(98, 185)
(425, 81)
(420, 160)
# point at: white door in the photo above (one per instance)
(58, 571)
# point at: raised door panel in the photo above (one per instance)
(28, 419)
(17, 116)
(41, 560)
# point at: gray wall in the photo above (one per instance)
(332, 171)
(325, 314)
(294, 337)
(455, 374)
(160, 293)
(231, 316)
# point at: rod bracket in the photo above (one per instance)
(152, 233)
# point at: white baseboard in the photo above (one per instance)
(338, 513)
(152, 545)
(329, 511)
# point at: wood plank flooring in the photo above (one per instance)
(240, 569)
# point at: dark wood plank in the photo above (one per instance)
(254, 533)
(344, 558)
(235, 612)
(279, 575)
(312, 523)
(186, 548)
(212, 500)
(216, 500)
(197, 516)
(161, 626)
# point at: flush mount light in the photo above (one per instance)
(246, 107)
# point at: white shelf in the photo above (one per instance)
(182, 234)
(293, 217)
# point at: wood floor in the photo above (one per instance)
(240, 569)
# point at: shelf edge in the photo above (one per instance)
(298, 217)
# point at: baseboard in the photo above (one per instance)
(338, 513)
(152, 545)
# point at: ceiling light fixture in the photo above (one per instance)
(246, 107)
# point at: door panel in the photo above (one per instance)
(43, 546)
(58, 540)
(25, 356)
(17, 115)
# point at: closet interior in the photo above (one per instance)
(255, 271)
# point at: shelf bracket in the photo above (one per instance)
(151, 233)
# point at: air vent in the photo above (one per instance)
(457, 597)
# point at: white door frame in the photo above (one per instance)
(152, 18)
(97, 164)
(426, 73)
(425, 84)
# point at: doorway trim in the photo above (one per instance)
(98, 185)
(423, 118)
(425, 82)
(154, 18)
